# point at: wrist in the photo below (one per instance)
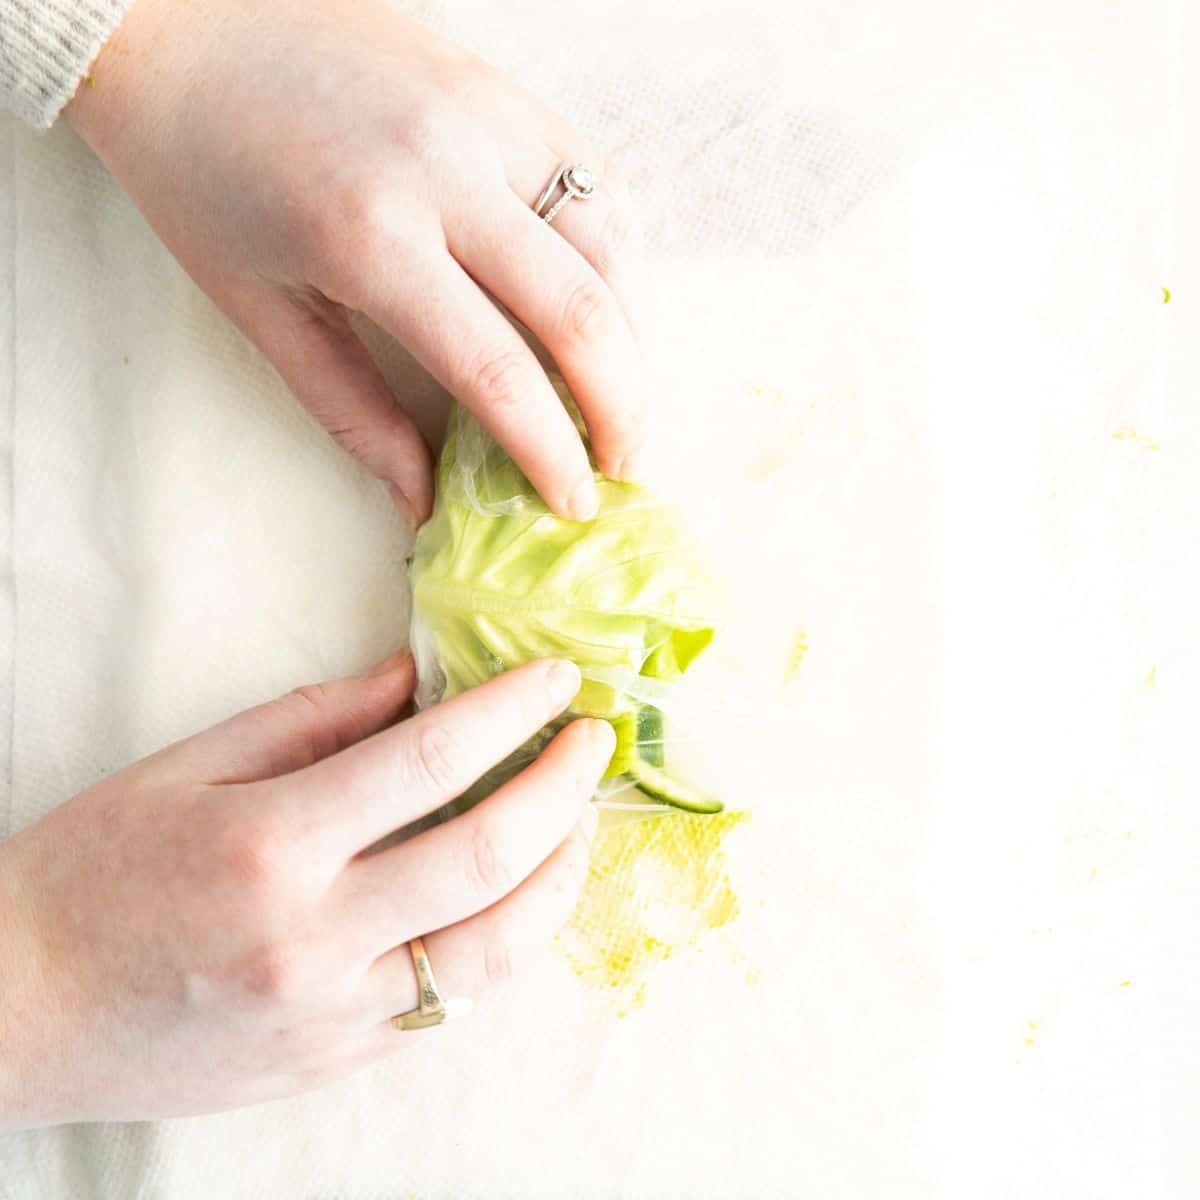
(28, 1003)
(116, 96)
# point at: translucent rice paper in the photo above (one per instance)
(499, 580)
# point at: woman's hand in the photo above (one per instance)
(205, 929)
(302, 159)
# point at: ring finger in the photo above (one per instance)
(492, 946)
(565, 291)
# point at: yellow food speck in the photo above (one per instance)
(655, 887)
(1166, 295)
(1127, 433)
(1151, 680)
(799, 649)
(1126, 982)
(765, 391)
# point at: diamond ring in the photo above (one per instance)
(577, 182)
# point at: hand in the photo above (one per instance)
(206, 928)
(305, 159)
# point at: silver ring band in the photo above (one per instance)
(578, 183)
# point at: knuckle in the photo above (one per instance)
(435, 759)
(253, 858)
(420, 130)
(360, 216)
(271, 972)
(356, 439)
(487, 869)
(618, 239)
(312, 736)
(497, 959)
(311, 697)
(359, 223)
(499, 379)
(587, 312)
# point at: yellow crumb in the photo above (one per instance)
(1166, 295)
(1127, 433)
(799, 649)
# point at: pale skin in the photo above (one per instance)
(207, 928)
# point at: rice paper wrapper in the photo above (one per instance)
(499, 580)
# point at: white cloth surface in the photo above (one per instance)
(910, 260)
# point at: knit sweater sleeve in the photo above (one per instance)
(45, 49)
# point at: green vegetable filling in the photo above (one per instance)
(498, 580)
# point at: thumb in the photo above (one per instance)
(329, 370)
(292, 732)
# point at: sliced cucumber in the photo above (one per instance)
(625, 726)
(650, 735)
(660, 786)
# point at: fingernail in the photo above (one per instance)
(604, 739)
(564, 679)
(631, 466)
(389, 664)
(583, 503)
(404, 505)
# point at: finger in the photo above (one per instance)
(608, 234)
(392, 779)
(461, 867)
(604, 229)
(486, 950)
(294, 731)
(553, 289)
(438, 312)
(332, 374)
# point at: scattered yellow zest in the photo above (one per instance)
(795, 657)
(1032, 1024)
(1028, 1040)
(1126, 982)
(656, 886)
(765, 391)
(1166, 295)
(1151, 680)
(1127, 433)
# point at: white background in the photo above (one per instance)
(910, 260)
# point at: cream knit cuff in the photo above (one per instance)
(46, 47)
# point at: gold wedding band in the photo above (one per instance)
(433, 1009)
